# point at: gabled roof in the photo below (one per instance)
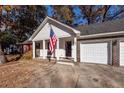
(102, 28)
(56, 23)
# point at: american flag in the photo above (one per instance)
(53, 40)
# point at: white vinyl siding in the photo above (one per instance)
(44, 33)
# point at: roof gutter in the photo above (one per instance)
(109, 34)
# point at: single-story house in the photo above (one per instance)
(96, 43)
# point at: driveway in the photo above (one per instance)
(96, 75)
(39, 74)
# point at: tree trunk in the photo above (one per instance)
(2, 56)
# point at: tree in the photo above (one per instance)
(63, 14)
(96, 13)
(2, 56)
(90, 13)
(21, 21)
(7, 38)
(28, 18)
(118, 12)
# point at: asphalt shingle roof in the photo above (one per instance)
(105, 27)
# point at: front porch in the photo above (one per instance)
(65, 49)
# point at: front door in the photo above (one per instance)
(68, 48)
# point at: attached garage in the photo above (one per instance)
(121, 53)
(94, 53)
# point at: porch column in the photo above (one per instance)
(34, 50)
(57, 48)
(43, 49)
(75, 49)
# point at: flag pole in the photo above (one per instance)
(49, 52)
(52, 42)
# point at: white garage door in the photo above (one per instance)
(122, 53)
(94, 53)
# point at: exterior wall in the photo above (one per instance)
(116, 53)
(110, 52)
(78, 51)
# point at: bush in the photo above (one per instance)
(27, 55)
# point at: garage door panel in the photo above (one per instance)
(94, 53)
(122, 53)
